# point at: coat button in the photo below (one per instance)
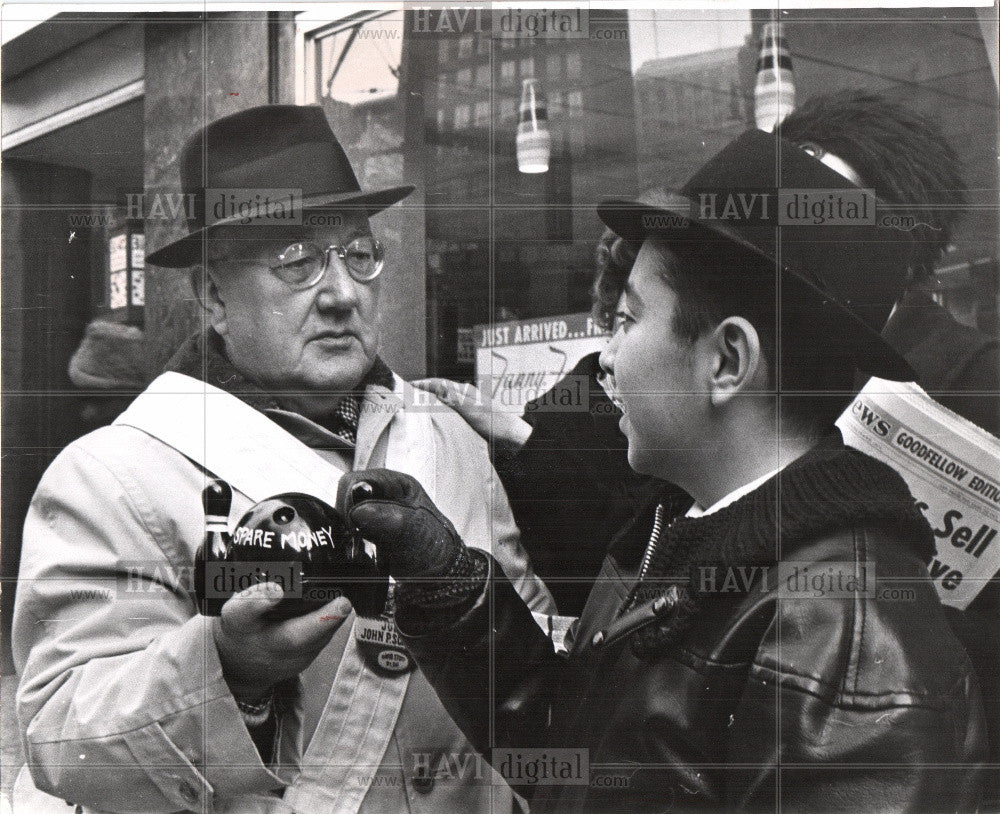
(423, 782)
(188, 793)
(662, 603)
(598, 639)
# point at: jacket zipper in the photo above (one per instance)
(654, 539)
(647, 558)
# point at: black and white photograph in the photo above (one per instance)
(500, 408)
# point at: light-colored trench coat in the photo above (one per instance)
(122, 703)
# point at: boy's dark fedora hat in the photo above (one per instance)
(272, 147)
(837, 281)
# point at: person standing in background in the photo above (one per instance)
(880, 144)
(566, 472)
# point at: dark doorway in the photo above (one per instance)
(56, 190)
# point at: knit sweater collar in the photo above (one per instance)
(830, 488)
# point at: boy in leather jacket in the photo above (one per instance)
(756, 653)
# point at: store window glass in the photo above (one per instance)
(508, 108)
(640, 98)
(574, 102)
(482, 114)
(509, 247)
(574, 65)
(508, 71)
(553, 66)
(358, 61)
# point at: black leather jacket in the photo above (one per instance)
(753, 699)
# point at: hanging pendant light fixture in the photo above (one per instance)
(774, 93)
(534, 142)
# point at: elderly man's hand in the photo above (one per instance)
(392, 510)
(256, 654)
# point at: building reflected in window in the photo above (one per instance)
(642, 106)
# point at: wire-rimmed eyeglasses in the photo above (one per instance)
(302, 265)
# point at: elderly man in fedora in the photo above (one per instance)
(131, 701)
(749, 656)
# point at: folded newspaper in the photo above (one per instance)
(953, 470)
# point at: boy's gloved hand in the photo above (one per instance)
(393, 511)
(439, 577)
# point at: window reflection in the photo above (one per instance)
(643, 105)
(359, 63)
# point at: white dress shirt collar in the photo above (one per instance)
(697, 511)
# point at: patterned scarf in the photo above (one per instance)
(343, 421)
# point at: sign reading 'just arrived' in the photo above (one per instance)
(520, 360)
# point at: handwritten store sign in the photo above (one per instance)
(520, 360)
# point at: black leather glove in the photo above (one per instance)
(393, 511)
(417, 545)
